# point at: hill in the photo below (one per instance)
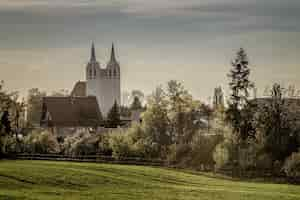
(70, 180)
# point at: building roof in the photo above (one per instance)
(93, 53)
(79, 89)
(71, 111)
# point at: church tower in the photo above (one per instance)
(104, 83)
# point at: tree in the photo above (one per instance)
(240, 86)
(11, 111)
(34, 108)
(136, 104)
(113, 117)
(156, 121)
(137, 93)
(5, 122)
(179, 101)
(125, 111)
(277, 125)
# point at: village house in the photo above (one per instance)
(65, 115)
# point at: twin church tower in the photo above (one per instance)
(104, 83)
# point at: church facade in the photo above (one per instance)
(103, 83)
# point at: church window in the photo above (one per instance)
(115, 72)
(90, 73)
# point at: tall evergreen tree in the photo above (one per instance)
(240, 86)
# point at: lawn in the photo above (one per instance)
(70, 180)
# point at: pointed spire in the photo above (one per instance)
(112, 55)
(93, 54)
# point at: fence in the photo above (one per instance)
(91, 158)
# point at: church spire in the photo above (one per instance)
(93, 54)
(112, 55)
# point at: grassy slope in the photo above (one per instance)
(68, 180)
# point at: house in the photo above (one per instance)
(70, 114)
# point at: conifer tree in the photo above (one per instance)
(113, 117)
(240, 86)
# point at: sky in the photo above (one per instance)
(46, 43)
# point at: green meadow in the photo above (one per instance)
(70, 180)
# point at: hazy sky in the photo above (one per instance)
(46, 43)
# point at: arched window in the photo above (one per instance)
(90, 73)
(115, 72)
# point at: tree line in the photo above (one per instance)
(244, 134)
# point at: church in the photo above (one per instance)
(103, 83)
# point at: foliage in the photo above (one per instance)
(85, 146)
(113, 116)
(264, 162)
(277, 126)
(120, 144)
(34, 108)
(240, 86)
(11, 116)
(136, 104)
(41, 141)
(137, 94)
(82, 143)
(155, 120)
(125, 111)
(103, 145)
(224, 153)
(198, 153)
(292, 165)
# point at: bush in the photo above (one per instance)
(223, 154)
(197, 154)
(81, 144)
(291, 165)
(41, 141)
(179, 154)
(121, 144)
(264, 162)
(103, 145)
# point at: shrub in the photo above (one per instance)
(121, 144)
(264, 162)
(82, 143)
(291, 165)
(179, 154)
(103, 145)
(41, 141)
(224, 153)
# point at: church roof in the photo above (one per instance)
(112, 54)
(93, 53)
(113, 61)
(71, 111)
(79, 89)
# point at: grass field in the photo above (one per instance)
(69, 180)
